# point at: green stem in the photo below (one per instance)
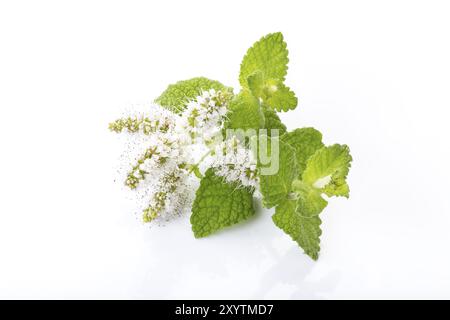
(195, 169)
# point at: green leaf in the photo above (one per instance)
(244, 112)
(327, 169)
(268, 55)
(281, 98)
(272, 92)
(305, 141)
(219, 204)
(276, 187)
(272, 121)
(310, 201)
(303, 229)
(177, 95)
(325, 172)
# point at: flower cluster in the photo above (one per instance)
(164, 150)
(161, 120)
(236, 163)
(169, 158)
(203, 117)
(172, 194)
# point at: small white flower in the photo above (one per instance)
(235, 163)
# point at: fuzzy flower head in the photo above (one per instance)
(236, 163)
(203, 117)
(170, 197)
(163, 151)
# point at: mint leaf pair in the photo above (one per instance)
(263, 72)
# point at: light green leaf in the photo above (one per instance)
(272, 121)
(272, 92)
(268, 55)
(244, 112)
(325, 172)
(177, 95)
(302, 229)
(219, 204)
(310, 201)
(305, 141)
(327, 169)
(282, 98)
(275, 187)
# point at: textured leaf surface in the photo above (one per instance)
(272, 121)
(219, 204)
(305, 141)
(176, 96)
(268, 55)
(302, 229)
(331, 162)
(276, 187)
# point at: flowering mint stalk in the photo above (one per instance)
(169, 196)
(136, 124)
(184, 138)
(171, 139)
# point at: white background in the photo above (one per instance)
(372, 74)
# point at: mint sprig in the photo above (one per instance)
(307, 172)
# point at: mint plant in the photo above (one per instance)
(237, 149)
